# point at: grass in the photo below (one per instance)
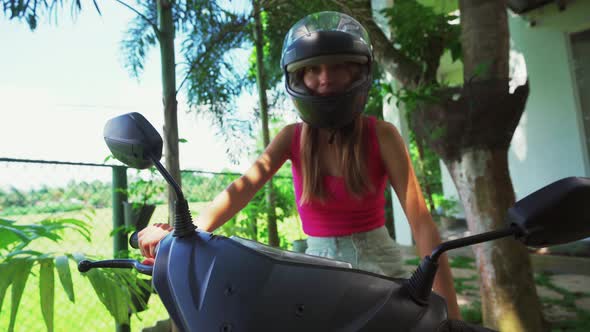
(461, 285)
(567, 301)
(472, 312)
(462, 262)
(412, 261)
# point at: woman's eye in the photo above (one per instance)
(313, 69)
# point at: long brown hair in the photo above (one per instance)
(351, 158)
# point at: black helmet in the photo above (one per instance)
(327, 37)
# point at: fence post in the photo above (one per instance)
(119, 190)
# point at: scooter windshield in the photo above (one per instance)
(289, 256)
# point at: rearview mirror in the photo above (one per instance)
(133, 140)
(555, 214)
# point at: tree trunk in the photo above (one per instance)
(167, 59)
(509, 298)
(273, 235)
(485, 39)
(481, 175)
(166, 41)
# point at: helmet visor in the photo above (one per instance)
(325, 21)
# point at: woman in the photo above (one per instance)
(341, 160)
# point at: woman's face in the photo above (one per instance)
(329, 79)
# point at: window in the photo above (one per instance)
(580, 46)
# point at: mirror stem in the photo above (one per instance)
(419, 285)
(183, 221)
(169, 178)
(467, 241)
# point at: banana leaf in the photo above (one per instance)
(7, 272)
(47, 291)
(65, 277)
(21, 275)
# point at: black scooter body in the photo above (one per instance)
(217, 283)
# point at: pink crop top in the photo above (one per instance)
(341, 214)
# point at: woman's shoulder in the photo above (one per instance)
(291, 126)
(388, 135)
(385, 129)
(285, 135)
(289, 130)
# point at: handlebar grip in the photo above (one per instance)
(133, 240)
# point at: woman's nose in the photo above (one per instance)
(325, 75)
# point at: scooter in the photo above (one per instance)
(209, 282)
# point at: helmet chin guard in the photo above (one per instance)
(331, 112)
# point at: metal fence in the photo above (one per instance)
(35, 190)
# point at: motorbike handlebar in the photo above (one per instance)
(85, 265)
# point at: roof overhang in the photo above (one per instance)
(524, 6)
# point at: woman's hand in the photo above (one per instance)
(149, 237)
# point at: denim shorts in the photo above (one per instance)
(372, 251)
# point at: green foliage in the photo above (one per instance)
(146, 190)
(411, 98)
(139, 38)
(377, 92)
(197, 187)
(31, 10)
(422, 35)
(115, 289)
(417, 27)
(18, 263)
(427, 167)
(445, 206)
(211, 36)
(204, 187)
(74, 196)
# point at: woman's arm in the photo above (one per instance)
(233, 198)
(237, 195)
(403, 179)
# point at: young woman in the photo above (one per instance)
(341, 160)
